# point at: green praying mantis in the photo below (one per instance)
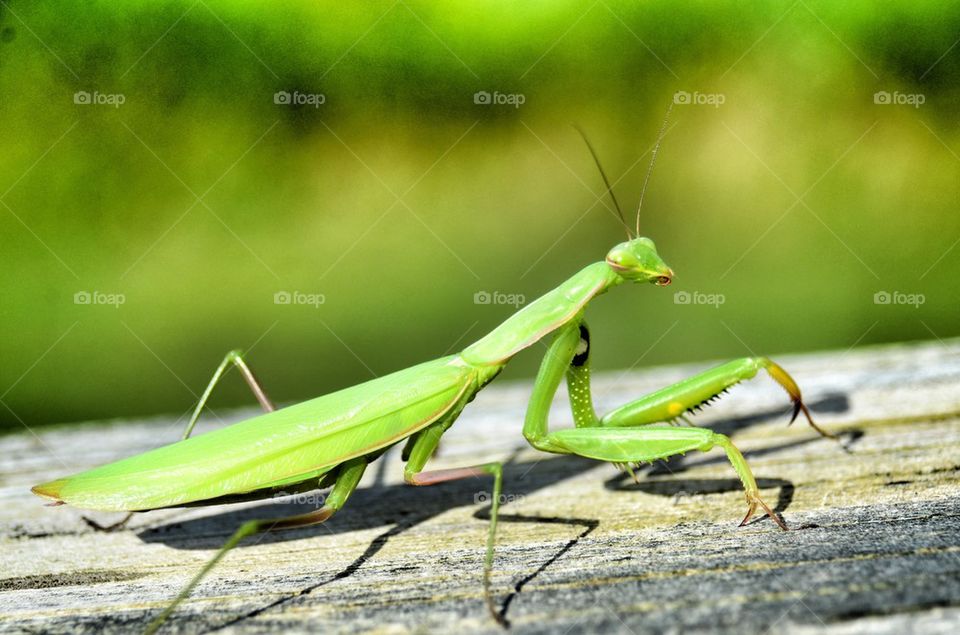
(329, 441)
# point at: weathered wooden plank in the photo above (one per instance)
(876, 545)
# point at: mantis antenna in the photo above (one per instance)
(653, 160)
(606, 181)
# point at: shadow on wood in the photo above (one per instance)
(405, 506)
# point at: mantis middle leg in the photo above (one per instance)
(423, 447)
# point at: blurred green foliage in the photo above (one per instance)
(399, 198)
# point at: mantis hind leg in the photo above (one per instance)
(348, 477)
(234, 357)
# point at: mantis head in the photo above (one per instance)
(637, 260)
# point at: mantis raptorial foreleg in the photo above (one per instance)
(672, 402)
(626, 435)
(348, 477)
(420, 452)
(234, 357)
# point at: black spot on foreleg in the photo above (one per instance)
(583, 348)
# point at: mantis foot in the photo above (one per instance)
(120, 524)
(753, 501)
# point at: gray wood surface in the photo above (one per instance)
(875, 545)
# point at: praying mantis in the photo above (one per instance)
(329, 441)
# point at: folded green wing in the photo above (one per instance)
(306, 439)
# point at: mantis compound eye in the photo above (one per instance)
(663, 281)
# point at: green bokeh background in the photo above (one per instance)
(492, 197)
